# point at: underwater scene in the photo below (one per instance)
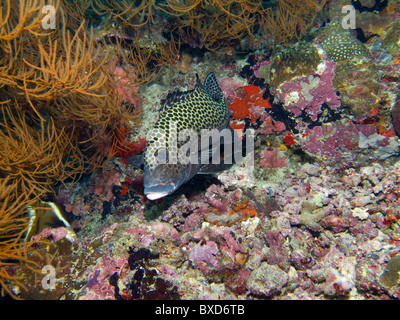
(199, 150)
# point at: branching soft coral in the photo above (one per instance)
(131, 13)
(13, 224)
(65, 75)
(20, 23)
(144, 59)
(57, 98)
(35, 156)
(67, 68)
(40, 68)
(17, 17)
(216, 24)
(289, 18)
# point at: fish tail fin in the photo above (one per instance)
(213, 89)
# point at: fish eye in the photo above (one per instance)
(162, 155)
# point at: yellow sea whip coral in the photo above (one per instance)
(34, 157)
(13, 226)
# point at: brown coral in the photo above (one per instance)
(217, 24)
(33, 156)
(289, 18)
(65, 68)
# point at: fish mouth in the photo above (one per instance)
(159, 191)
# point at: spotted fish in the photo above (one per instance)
(204, 107)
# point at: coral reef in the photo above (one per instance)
(390, 277)
(312, 213)
(314, 243)
(360, 90)
(308, 94)
(58, 103)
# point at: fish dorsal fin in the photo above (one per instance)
(177, 96)
(210, 86)
(198, 82)
(213, 89)
(170, 100)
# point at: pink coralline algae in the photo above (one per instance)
(124, 77)
(98, 286)
(269, 125)
(205, 256)
(101, 185)
(308, 94)
(226, 208)
(56, 234)
(272, 159)
(221, 252)
(332, 141)
(229, 87)
(346, 142)
(328, 236)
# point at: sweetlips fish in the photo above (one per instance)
(188, 134)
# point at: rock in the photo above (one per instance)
(267, 280)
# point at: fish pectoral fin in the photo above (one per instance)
(137, 161)
(213, 168)
(205, 154)
(221, 150)
(235, 149)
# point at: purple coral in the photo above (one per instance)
(272, 159)
(308, 94)
(334, 142)
(204, 255)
